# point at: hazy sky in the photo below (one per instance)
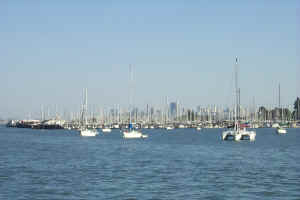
(51, 50)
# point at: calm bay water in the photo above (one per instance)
(178, 164)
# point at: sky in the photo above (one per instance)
(183, 50)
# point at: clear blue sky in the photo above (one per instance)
(51, 50)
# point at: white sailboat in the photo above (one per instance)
(280, 129)
(238, 133)
(181, 126)
(152, 127)
(106, 127)
(169, 127)
(84, 130)
(106, 130)
(130, 133)
(88, 132)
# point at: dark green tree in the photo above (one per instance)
(189, 113)
(297, 108)
(263, 113)
(287, 114)
(281, 114)
(193, 115)
(276, 114)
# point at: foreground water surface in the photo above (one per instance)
(177, 164)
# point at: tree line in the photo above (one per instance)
(280, 113)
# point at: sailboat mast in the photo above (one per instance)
(279, 101)
(85, 106)
(237, 95)
(279, 105)
(130, 93)
(42, 112)
(279, 96)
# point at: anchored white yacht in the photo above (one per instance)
(88, 132)
(169, 127)
(181, 126)
(238, 133)
(84, 130)
(198, 128)
(106, 130)
(279, 128)
(131, 133)
(152, 127)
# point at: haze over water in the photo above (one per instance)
(181, 164)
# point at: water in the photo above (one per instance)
(178, 164)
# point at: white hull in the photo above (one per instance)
(169, 128)
(181, 126)
(199, 128)
(248, 134)
(88, 133)
(106, 130)
(116, 126)
(231, 135)
(239, 135)
(281, 131)
(133, 134)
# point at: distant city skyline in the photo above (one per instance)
(182, 50)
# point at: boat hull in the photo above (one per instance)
(281, 131)
(239, 135)
(133, 134)
(106, 130)
(88, 133)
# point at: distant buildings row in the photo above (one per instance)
(174, 112)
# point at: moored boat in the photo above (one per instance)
(238, 133)
(88, 132)
(281, 130)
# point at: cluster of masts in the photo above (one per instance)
(149, 115)
(175, 117)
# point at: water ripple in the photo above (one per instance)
(180, 165)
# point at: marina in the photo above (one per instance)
(150, 100)
(59, 124)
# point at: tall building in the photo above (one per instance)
(173, 109)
